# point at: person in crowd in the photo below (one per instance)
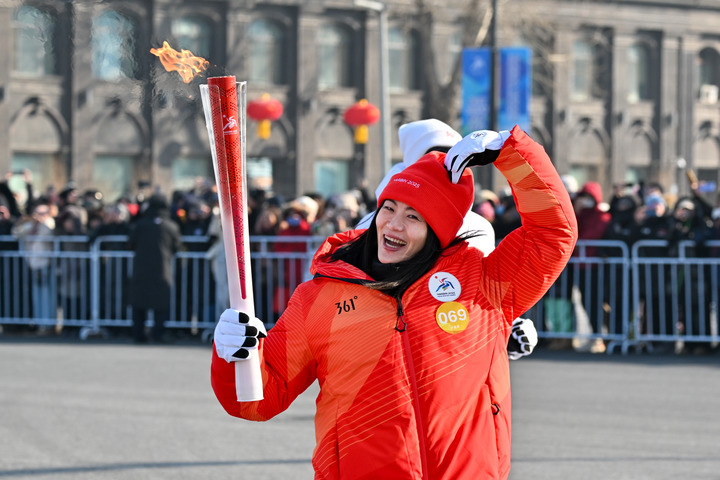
(114, 286)
(218, 265)
(432, 135)
(92, 201)
(256, 200)
(651, 219)
(68, 196)
(6, 220)
(341, 213)
(689, 222)
(715, 217)
(73, 285)
(592, 222)
(269, 220)
(197, 217)
(155, 239)
(33, 232)
(507, 217)
(623, 222)
(406, 326)
(296, 223)
(9, 198)
(485, 205)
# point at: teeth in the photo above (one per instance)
(395, 242)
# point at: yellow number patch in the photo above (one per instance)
(452, 317)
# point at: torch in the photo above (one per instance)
(224, 104)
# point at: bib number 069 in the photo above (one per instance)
(452, 317)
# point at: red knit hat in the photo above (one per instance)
(426, 186)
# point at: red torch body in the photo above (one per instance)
(224, 106)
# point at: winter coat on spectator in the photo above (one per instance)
(154, 239)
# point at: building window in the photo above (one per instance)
(113, 46)
(260, 173)
(582, 71)
(402, 55)
(34, 33)
(186, 169)
(334, 52)
(584, 173)
(638, 73)
(331, 176)
(708, 75)
(112, 176)
(194, 34)
(41, 166)
(267, 49)
(637, 174)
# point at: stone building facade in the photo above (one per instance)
(623, 91)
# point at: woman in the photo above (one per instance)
(405, 327)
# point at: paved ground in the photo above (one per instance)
(102, 410)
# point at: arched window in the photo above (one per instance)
(638, 73)
(334, 53)
(708, 75)
(113, 46)
(582, 72)
(34, 41)
(402, 56)
(194, 34)
(267, 52)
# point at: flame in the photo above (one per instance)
(183, 62)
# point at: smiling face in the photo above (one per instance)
(401, 231)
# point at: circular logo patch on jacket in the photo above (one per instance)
(444, 286)
(452, 317)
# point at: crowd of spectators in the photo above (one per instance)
(631, 212)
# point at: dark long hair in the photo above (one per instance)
(392, 278)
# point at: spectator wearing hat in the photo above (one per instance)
(155, 239)
(417, 139)
(652, 219)
(431, 135)
(405, 324)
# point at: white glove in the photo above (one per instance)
(236, 334)
(523, 338)
(478, 148)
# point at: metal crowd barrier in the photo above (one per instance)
(675, 293)
(590, 301)
(66, 282)
(624, 298)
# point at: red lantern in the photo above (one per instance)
(359, 116)
(264, 110)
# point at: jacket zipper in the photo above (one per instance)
(401, 327)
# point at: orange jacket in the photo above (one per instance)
(418, 389)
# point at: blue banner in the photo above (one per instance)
(515, 85)
(476, 89)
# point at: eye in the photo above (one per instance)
(388, 208)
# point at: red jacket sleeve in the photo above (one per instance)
(288, 369)
(530, 258)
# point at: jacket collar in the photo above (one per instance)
(320, 267)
